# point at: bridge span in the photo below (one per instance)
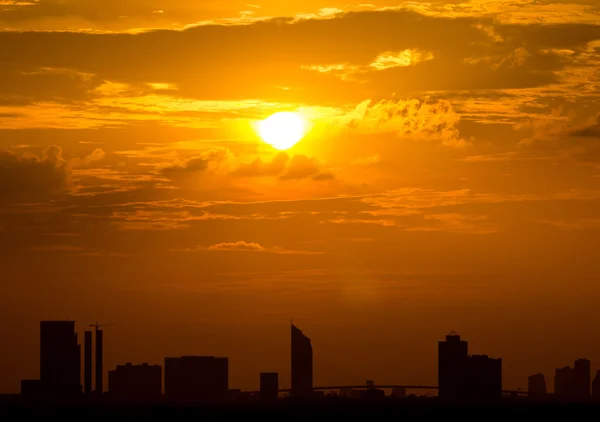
(382, 387)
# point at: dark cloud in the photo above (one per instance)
(25, 175)
(259, 167)
(190, 166)
(589, 131)
(20, 83)
(323, 177)
(284, 167)
(300, 167)
(197, 164)
(259, 60)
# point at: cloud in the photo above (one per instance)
(62, 79)
(237, 246)
(259, 168)
(416, 36)
(57, 248)
(575, 224)
(420, 119)
(300, 167)
(197, 164)
(367, 161)
(590, 130)
(456, 223)
(160, 226)
(21, 175)
(243, 246)
(284, 167)
(94, 158)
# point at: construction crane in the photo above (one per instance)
(99, 358)
(98, 326)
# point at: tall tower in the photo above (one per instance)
(582, 379)
(60, 358)
(99, 360)
(302, 364)
(452, 365)
(87, 362)
(596, 387)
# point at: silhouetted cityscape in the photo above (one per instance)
(462, 377)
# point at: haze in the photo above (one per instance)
(450, 181)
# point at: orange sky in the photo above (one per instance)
(450, 181)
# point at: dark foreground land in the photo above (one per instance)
(327, 409)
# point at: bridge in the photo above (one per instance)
(382, 387)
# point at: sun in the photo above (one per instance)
(282, 130)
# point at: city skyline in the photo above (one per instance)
(192, 174)
(187, 379)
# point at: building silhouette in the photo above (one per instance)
(372, 393)
(465, 377)
(269, 386)
(573, 383)
(196, 378)
(302, 364)
(563, 382)
(399, 393)
(596, 387)
(582, 379)
(452, 362)
(205, 379)
(60, 356)
(87, 362)
(536, 385)
(60, 360)
(99, 360)
(483, 378)
(135, 383)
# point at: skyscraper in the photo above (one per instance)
(60, 358)
(536, 385)
(464, 377)
(483, 378)
(135, 383)
(302, 364)
(563, 382)
(596, 387)
(452, 364)
(87, 362)
(582, 379)
(99, 360)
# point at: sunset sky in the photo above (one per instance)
(449, 179)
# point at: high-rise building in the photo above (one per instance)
(60, 358)
(302, 364)
(99, 361)
(196, 378)
(269, 386)
(87, 362)
(464, 377)
(452, 361)
(135, 383)
(536, 385)
(596, 387)
(582, 379)
(483, 379)
(563, 382)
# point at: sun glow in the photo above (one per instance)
(282, 130)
